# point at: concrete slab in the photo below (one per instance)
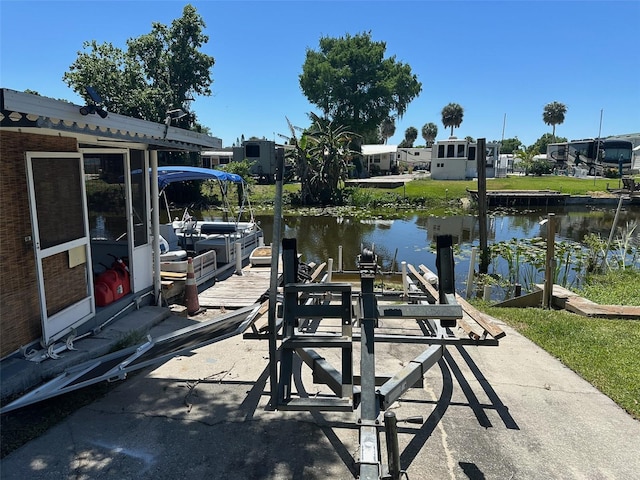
(507, 412)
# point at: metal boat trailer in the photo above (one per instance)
(367, 395)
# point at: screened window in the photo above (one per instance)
(451, 151)
(252, 151)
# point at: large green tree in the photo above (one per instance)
(546, 139)
(159, 71)
(452, 116)
(354, 85)
(553, 114)
(510, 145)
(429, 133)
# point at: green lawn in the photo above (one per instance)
(443, 190)
(457, 188)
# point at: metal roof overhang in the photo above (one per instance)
(25, 112)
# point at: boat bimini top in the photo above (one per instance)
(167, 175)
(183, 173)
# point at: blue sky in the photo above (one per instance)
(493, 58)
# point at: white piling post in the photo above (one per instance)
(340, 258)
(487, 293)
(405, 282)
(329, 270)
(472, 270)
(238, 246)
(261, 241)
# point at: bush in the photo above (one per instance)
(611, 173)
(540, 167)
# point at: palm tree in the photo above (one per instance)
(452, 116)
(429, 133)
(328, 153)
(410, 135)
(387, 128)
(553, 114)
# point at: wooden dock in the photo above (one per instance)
(513, 198)
(568, 300)
(238, 291)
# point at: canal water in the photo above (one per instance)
(412, 238)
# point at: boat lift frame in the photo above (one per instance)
(359, 315)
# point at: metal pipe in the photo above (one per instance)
(155, 220)
(547, 291)
(273, 285)
(613, 229)
(393, 451)
(340, 258)
(405, 283)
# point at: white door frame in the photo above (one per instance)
(63, 322)
(140, 257)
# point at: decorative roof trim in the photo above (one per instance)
(19, 109)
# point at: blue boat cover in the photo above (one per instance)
(167, 175)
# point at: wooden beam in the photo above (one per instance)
(317, 272)
(467, 328)
(533, 299)
(482, 319)
(423, 281)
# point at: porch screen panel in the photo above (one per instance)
(138, 199)
(58, 191)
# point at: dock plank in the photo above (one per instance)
(485, 321)
(572, 302)
(237, 290)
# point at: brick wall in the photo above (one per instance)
(19, 305)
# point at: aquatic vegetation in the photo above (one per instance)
(522, 260)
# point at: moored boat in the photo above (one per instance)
(215, 246)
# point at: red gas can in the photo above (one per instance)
(104, 295)
(115, 282)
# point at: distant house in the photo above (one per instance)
(264, 156)
(415, 158)
(379, 159)
(54, 242)
(215, 158)
(456, 159)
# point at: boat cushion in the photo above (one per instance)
(173, 255)
(213, 228)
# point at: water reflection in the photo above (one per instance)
(412, 239)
